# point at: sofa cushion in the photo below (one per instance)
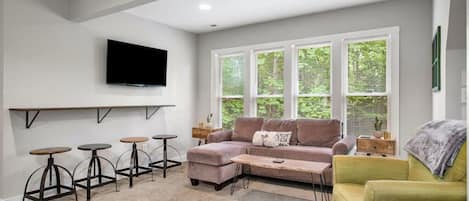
(306, 153)
(318, 132)
(245, 128)
(282, 125)
(216, 154)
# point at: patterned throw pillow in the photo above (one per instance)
(271, 138)
(284, 138)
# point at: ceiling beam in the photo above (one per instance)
(83, 10)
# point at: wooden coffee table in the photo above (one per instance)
(310, 167)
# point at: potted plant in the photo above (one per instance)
(378, 125)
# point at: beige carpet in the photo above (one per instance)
(177, 187)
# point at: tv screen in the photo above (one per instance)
(135, 65)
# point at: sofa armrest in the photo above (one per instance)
(415, 190)
(220, 136)
(360, 169)
(344, 145)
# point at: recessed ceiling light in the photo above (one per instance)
(205, 6)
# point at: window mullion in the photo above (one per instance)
(289, 79)
(337, 81)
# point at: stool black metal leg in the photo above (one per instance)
(88, 179)
(132, 165)
(136, 160)
(48, 169)
(57, 179)
(165, 158)
(100, 173)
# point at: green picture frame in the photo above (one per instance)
(436, 60)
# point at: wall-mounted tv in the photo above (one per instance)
(135, 65)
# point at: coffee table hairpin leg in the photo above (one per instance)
(235, 178)
(314, 187)
(325, 192)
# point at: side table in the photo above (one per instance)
(203, 133)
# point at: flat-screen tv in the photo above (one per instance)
(135, 65)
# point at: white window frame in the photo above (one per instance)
(388, 83)
(338, 74)
(296, 82)
(256, 75)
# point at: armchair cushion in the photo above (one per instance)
(245, 128)
(414, 191)
(344, 145)
(360, 169)
(220, 136)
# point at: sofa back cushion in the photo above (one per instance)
(284, 126)
(245, 127)
(318, 132)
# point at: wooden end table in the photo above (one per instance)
(310, 167)
(203, 133)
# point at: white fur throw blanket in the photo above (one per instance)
(437, 144)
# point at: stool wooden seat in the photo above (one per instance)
(50, 150)
(94, 147)
(133, 139)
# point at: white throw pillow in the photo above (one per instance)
(258, 138)
(271, 139)
(284, 138)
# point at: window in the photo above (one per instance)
(353, 77)
(232, 68)
(314, 72)
(270, 84)
(367, 94)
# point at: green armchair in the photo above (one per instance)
(363, 178)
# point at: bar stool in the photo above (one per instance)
(165, 154)
(49, 169)
(139, 170)
(95, 163)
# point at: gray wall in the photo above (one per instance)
(414, 17)
(1, 92)
(51, 61)
(455, 67)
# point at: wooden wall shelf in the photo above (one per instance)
(150, 110)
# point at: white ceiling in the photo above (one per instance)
(186, 15)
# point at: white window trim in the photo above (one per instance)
(295, 79)
(338, 64)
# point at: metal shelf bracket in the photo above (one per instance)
(100, 118)
(149, 114)
(28, 122)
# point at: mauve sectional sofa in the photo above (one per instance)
(312, 140)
